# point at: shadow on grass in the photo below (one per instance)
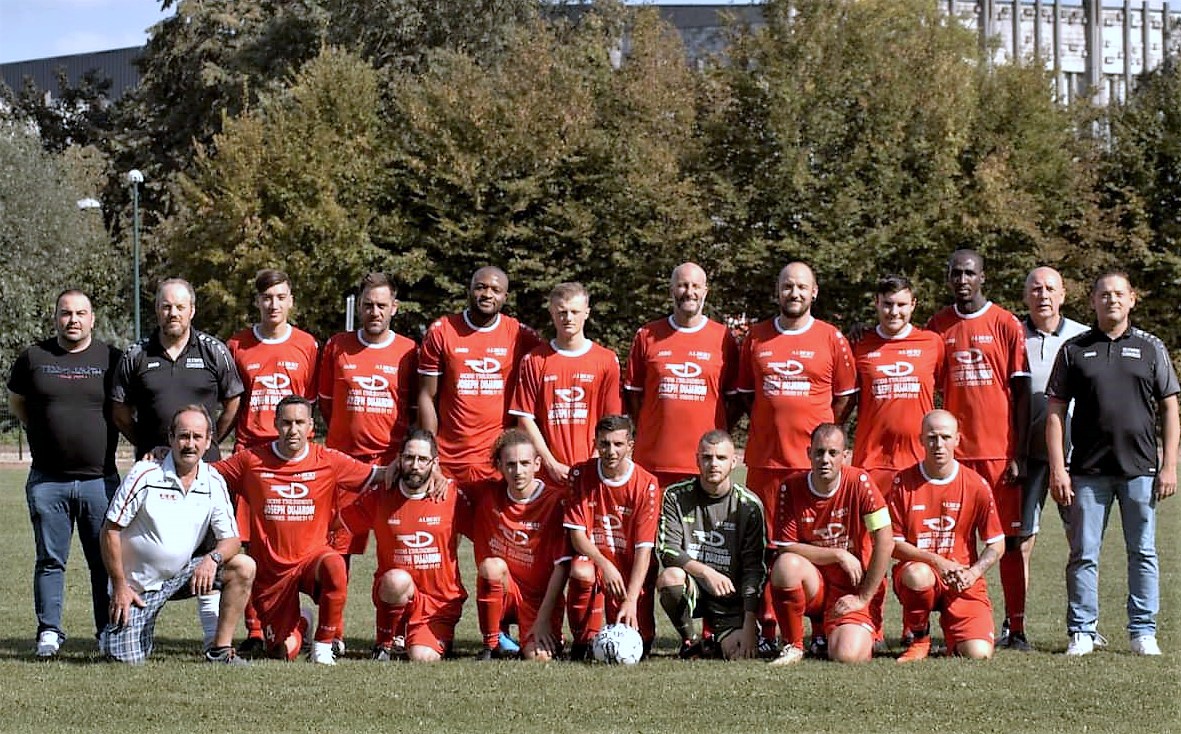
(84, 651)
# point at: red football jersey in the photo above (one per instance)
(794, 376)
(271, 369)
(567, 393)
(982, 352)
(527, 534)
(896, 377)
(292, 502)
(944, 516)
(618, 515)
(477, 370)
(844, 519)
(414, 533)
(684, 375)
(365, 393)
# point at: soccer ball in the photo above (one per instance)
(618, 644)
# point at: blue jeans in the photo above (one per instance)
(54, 507)
(1086, 521)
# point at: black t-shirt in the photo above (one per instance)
(1116, 385)
(67, 395)
(156, 386)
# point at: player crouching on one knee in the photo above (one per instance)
(834, 530)
(522, 557)
(416, 589)
(939, 508)
(712, 540)
(611, 519)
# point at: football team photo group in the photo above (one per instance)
(768, 493)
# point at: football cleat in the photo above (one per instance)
(224, 656)
(252, 646)
(818, 647)
(919, 649)
(790, 655)
(321, 653)
(381, 653)
(766, 649)
(1017, 641)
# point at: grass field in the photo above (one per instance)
(1109, 691)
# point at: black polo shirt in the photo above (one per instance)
(156, 386)
(67, 396)
(1116, 385)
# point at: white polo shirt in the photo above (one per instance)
(1042, 348)
(163, 524)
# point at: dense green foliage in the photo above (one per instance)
(868, 136)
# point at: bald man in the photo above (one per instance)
(1045, 331)
(467, 370)
(941, 509)
(794, 373)
(680, 379)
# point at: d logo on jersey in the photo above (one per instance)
(277, 381)
(832, 531)
(612, 522)
(941, 524)
(713, 538)
(790, 368)
(898, 369)
(570, 394)
(371, 382)
(420, 539)
(969, 356)
(484, 366)
(687, 369)
(516, 537)
(293, 491)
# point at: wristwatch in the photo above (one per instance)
(216, 557)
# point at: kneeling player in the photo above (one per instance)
(835, 530)
(416, 589)
(291, 487)
(711, 541)
(938, 508)
(611, 519)
(522, 556)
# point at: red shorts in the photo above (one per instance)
(820, 606)
(523, 609)
(431, 622)
(963, 615)
(1007, 496)
(765, 484)
(276, 596)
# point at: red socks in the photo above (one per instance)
(490, 609)
(789, 609)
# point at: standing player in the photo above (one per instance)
(898, 366)
(1046, 329)
(365, 382)
(612, 519)
(711, 543)
(467, 370)
(566, 386)
(275, 360)
(986, 387)
(680, 375)
(834, 529)
(416, 588)
(293, 488)
(521, 552)
(939, 508)
(795, 372)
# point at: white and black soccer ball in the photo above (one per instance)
(618, 644)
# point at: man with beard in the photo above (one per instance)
(467, 371)
(294, 490)
(417, 589)
(986, 387)
(680, 375)
(794, 373)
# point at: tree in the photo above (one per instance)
(869, 136)
(48, 243)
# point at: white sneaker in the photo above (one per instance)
(1080, 644)
(50, 641)
(322, 654)
(790, 655)
(1145, 645)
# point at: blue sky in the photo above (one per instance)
(34, 29)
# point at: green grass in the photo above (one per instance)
(1110, 691)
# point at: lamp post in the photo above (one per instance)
(135, 178)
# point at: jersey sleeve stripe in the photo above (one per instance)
(996, 539)
(521, 413)
(431, 373)
(573, 526)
